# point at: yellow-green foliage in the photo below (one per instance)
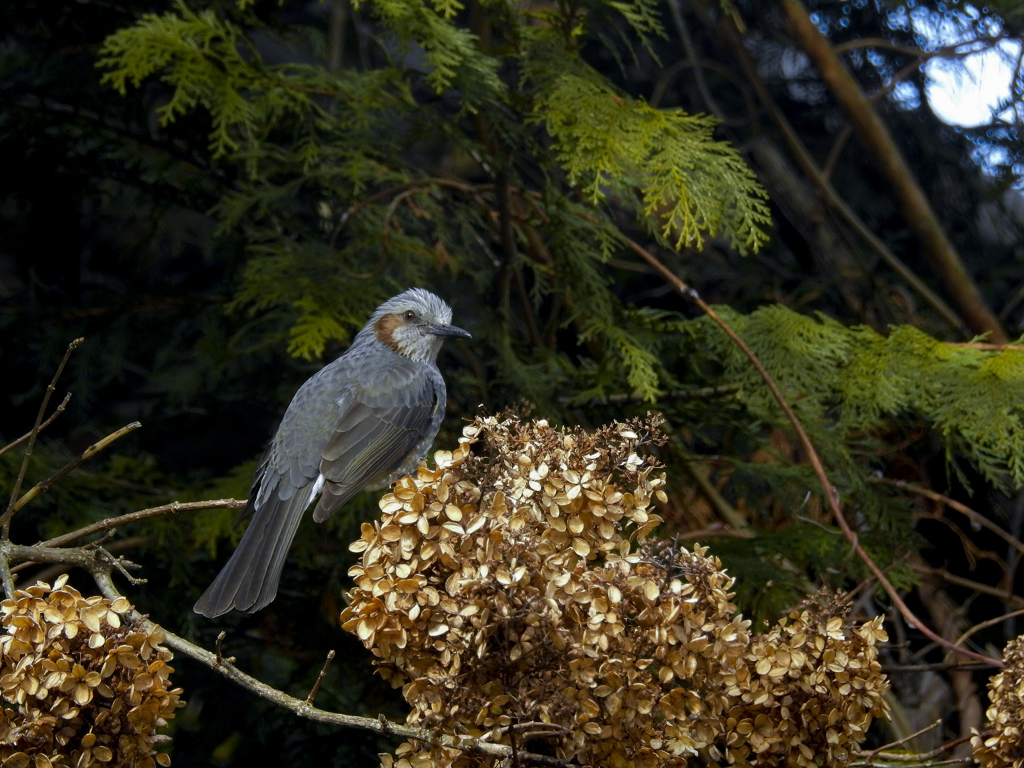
(690, 185)
(328, 190)
(850, 379)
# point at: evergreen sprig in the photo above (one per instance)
(331, 184)
(690, 185)
(849, 380)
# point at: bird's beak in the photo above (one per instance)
(448, 331)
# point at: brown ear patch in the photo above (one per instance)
(384, 330)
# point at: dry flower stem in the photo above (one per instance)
(88, 453)
(320, 677)
(808, 446)
(114, 522)
(5, 519)
(53, 416)
(975, 517)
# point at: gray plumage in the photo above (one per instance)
(362, 422)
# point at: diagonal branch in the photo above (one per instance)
(111, 523)
(101, 573)
(6, 519)
(917, 210)
(824, 186)
(808, 446)
(100, 565)
(45, 485)
(57, 412)
(976, 518)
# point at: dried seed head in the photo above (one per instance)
(83, 686)
(513, 586)
(1001, 745)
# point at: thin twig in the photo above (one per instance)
(319, 679)
(42, 487)
(917, 760)
(975, 517)
(808, 446)
(975, 586)
(44, 425)
(114, 522)
(906, 757)
(221, 660)
(874, 752)
(621, 398)
(6, 519)
(987, 624)
(56, 569)
(941, 666)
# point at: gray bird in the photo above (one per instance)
(362, 422)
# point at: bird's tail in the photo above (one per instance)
(249, 580)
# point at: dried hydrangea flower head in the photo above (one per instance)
(806, 693)
(1001, 745)
(83, 686)
(511, 590)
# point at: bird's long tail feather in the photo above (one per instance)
(249, 580)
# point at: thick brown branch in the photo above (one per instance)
(825, 188)
(917, 210)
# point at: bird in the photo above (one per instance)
(361, 422)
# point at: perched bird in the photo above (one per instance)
(362, 422)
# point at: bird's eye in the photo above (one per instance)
(410, 315)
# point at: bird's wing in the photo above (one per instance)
(373, 438)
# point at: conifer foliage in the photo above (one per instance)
(330, 186)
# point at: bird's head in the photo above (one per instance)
(415, 324)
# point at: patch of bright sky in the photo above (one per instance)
(968, 90)
(972, 89)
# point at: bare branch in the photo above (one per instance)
(100, 564)
(44, 425)
(989, 623)
(917, 210)
(42, 487)
(167, 509)
(6, 519)
(975, 517)
(323, 672)
(808, 446)
(909, 737)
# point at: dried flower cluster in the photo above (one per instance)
(806, 694)
(1002, 743)
(511, 593)
(83, 687)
